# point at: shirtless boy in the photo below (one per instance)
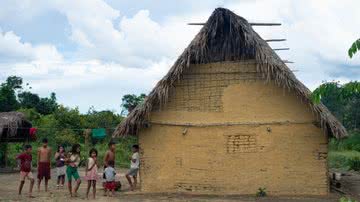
(43, 156)
(109, 156)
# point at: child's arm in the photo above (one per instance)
(38, 157)
(86, 166)
(91, 166)
(106, 158)
(57, 154)
(19, 156)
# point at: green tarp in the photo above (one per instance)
(98, 133)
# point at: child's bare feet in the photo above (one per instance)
(31, 196)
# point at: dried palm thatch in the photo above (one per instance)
(228, 37)
(11, 123)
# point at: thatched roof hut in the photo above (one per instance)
(228, 37)
(14, 127)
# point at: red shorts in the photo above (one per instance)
(110, 185)
(44, 170)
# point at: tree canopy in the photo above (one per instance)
(130, 101)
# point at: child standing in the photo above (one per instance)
(134, 167)
(60, 166)
(110, 178)
(91, 172)
(43, 157)
(72, 169)
(25, 169)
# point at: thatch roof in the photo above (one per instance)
(228, 37)
(11, 123)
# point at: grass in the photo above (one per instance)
(345, 154)
(342, 159)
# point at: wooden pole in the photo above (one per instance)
(287, 61)
(278, 49)
(86, 138)
(5, 152)
(251, 23)
(275, 40)
(264, 24)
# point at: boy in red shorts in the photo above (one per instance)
(44, 155)
(25, 169)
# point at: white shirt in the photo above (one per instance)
(110, 174)
(135, 157)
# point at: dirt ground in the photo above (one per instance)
(9, 184)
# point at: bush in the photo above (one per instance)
(261, 192)
(66, 137)
(350, 143)
(345, 199)
(342, 159)
(354, 163)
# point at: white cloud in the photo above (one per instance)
(110, 47)
(13, 49)
(89, 83)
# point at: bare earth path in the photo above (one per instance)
(9, 183)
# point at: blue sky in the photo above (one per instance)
(92, 52)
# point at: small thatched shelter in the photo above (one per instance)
(14, 127)
(230, 117)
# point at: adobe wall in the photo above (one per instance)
(226, 131)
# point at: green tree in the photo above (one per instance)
(101, 119)
(346, 91)
(355, 47)
(8, 100)
(130, 101)
(31, 114)
(66, 137)
(47, 105)
(14, 82)
(28, 99)
(342, 100)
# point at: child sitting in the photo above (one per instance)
(110, 179)
(25, 169)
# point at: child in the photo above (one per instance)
(60, 166)
(109, 156)
(134, 167)
(72, 169)
(91, 171)
(44, 155)
(25, 169)
(110, 178)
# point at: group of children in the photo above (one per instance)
(67, 164)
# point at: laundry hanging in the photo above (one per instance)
(98, 133)
(32, 133)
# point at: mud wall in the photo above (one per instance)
(226, 131)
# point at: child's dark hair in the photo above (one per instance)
(44, 140)
(111, 143)
(135, 146)
(111, 163)
(58, 149)
(92, 151)
(74, 149)
(26, 147)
